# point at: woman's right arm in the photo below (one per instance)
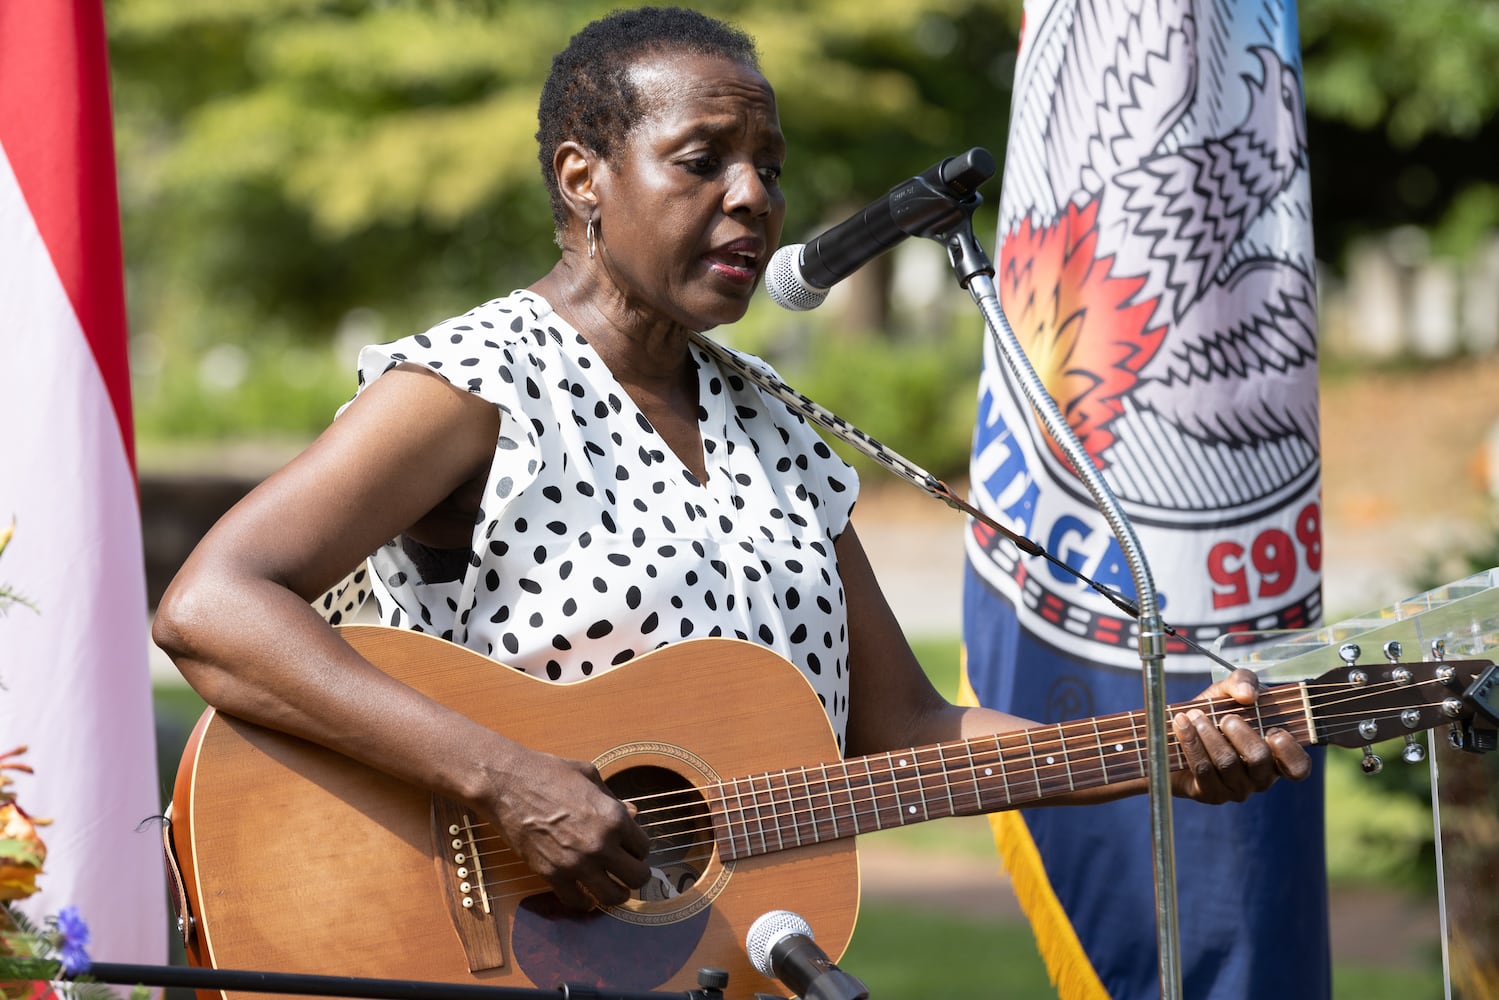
(238, 624)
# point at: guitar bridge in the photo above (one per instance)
(461, 878)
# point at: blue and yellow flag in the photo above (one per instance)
(1155, 262)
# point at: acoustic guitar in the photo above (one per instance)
(293, 858)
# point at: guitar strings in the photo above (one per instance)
(1287, 712)
(955, 750)
(782, 786)
(748, 804)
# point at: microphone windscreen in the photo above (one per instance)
(784, 282)
(766, 931)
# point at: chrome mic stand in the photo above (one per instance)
(976, 273)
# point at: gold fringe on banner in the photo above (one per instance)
(1066, 962)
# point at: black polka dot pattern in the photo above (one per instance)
(596, 544)
(344, 599)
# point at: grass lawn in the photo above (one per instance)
(909, 955)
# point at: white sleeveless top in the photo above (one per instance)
(594, 543)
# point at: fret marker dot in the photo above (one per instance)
(1051, 760)
(988, 771)
(1119, 746)
(902, 762)
(911, 810)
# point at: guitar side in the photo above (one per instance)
(297, 859)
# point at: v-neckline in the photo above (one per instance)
(712, 416)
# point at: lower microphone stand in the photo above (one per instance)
(975, 273)
(712, 983)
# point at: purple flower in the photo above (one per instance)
(73, 933)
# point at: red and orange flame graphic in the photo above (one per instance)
(1075, 319)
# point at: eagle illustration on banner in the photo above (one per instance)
(1155, 264)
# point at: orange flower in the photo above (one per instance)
(21, 853)
(21, 849)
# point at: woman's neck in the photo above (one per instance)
(647, 357)
(641, 348)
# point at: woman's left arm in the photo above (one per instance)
(892, 704)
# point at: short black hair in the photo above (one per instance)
(588, 96)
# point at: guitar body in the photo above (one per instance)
(297, 859)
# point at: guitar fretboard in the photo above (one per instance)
(781, 810)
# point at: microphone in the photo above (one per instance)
(781, 947)
(800, 274)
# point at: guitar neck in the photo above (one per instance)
(781, 810)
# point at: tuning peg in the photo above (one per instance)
(1372, 764)
(1349, 653)
(1464, 736)
(1392, 652)
(1413, 752)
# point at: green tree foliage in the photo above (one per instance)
(297, 157)
(1402, 100)
(283, 162)
(1409, 70)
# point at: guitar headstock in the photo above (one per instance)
(1357, 705)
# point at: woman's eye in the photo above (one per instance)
(770, 175)
(703, 164)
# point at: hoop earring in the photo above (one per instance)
(588, 236)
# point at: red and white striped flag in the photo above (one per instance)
(75, 671)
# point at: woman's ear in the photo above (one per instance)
(576, 169)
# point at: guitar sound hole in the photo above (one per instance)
(675, 815)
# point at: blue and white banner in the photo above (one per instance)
(1156, 266)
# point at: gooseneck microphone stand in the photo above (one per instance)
(975, 273)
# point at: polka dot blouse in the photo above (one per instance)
(594, 543)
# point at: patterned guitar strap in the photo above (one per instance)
(887, 458)
(930, 484)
